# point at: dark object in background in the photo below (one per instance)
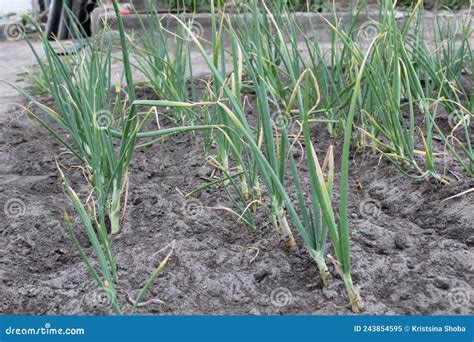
(40, 10)
(58, 21)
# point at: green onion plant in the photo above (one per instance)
(310, 227)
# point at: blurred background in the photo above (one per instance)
(9, 6)
(53, 17)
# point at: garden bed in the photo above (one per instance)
(412, 251)
(245, 114)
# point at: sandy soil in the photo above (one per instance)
(412, 252)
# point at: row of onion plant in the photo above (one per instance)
(405, 75)
(280, 78)
(94, 124)
(319, 217)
